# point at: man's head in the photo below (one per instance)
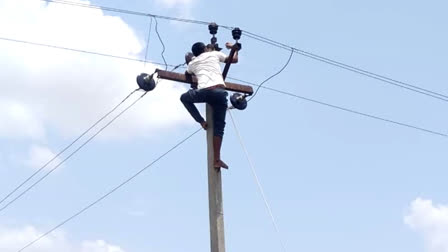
(198, 48)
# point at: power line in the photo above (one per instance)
(80, 51)
(136, 13)
(260, 187)
(346, 109)
(66, 148)
(354, 69)
(284, 46)
(71, 154)
(243, 81)
(110, 192)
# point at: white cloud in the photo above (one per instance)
(12, 240)
(49, 89)
(182, 7)
(39, 156)
(17, 120)
(99, 246)
(174, 3)
(431, 221)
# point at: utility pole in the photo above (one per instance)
(216, 213)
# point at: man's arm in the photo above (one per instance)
(235, 56)
(189, 72)
(188, 57)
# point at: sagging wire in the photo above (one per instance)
(161, 41)
(272, 76)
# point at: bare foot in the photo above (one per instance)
(220, 164)
(204, 125)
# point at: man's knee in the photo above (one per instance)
(184, 98)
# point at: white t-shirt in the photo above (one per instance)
(207, 69)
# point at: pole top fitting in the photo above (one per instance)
(213, 28)
(236, 33)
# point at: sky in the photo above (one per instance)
(334, 180)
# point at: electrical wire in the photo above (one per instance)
(260, 187)
(180, 65)
(347, 109)
(263, 39)
(147, 43)
(161, 42)
(354, 69)
(111, 191)
(303, 52)
(243, 81)
(104, 8)
(272, 76)
(71, 154)
(80, 51)
(66, 148)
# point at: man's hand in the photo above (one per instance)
(230, 46)
(235, 56)
(189, 78)
(188, 57)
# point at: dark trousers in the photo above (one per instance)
(217, 98)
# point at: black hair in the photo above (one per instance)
(198, 48)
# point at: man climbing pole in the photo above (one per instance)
(210, 89)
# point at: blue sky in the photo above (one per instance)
(335, 180)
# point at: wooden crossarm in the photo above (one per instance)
(173, 76)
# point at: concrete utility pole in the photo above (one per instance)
(216, 210)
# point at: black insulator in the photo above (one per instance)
(217, 48)
(213, 28)
(236, 33)
(238, 101)
(146, 81)
(238, 46)
(213, 40)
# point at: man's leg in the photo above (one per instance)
(219, 104)
(188, 99)
(218, 163)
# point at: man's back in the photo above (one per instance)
(207, 69)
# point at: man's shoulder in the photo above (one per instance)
(219, 53)
(207, 55)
